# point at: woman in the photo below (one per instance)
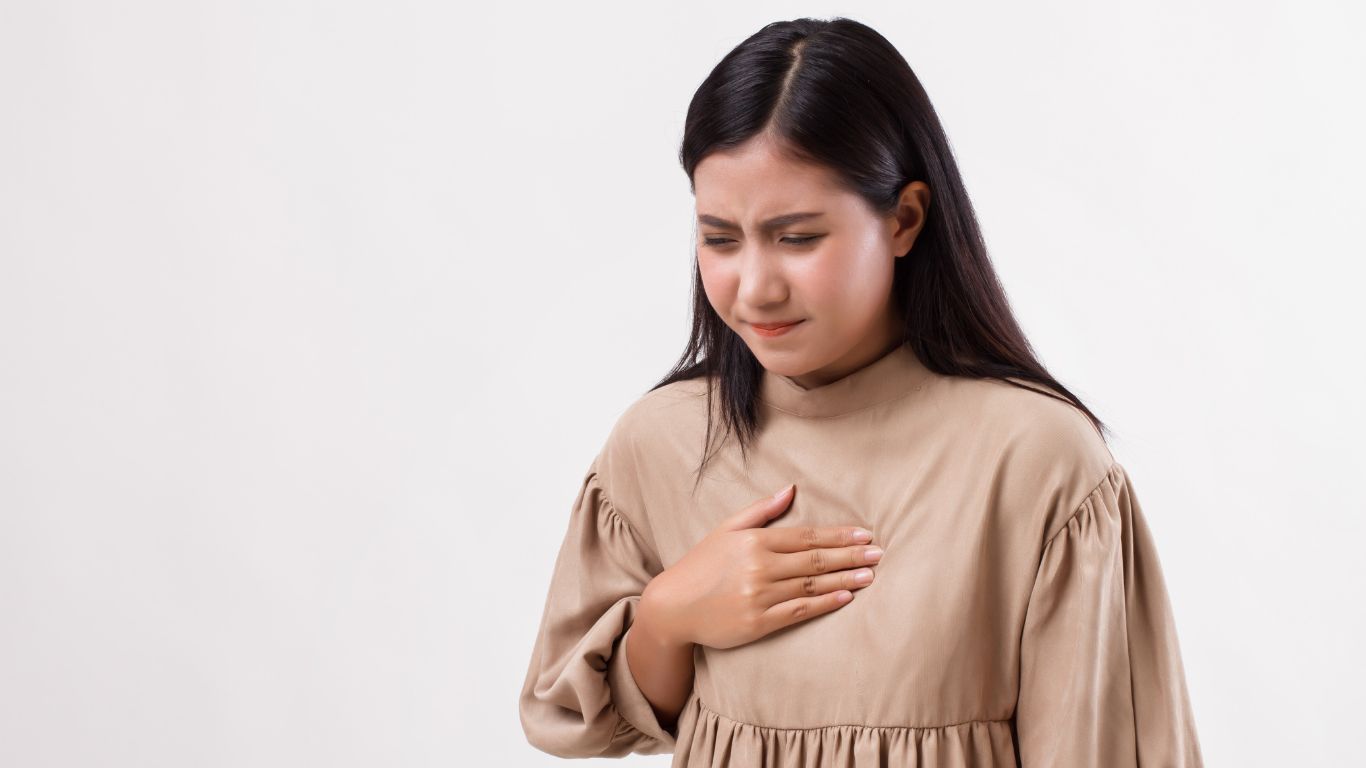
(853, 348)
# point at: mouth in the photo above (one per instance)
(774, 329)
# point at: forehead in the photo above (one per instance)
(756, 180)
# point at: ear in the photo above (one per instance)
(908, 219)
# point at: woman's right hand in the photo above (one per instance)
(744, 581)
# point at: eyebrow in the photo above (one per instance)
(771, 224)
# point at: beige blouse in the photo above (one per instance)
(1018, 616)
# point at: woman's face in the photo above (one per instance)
(830, 273)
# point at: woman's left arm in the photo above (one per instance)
(1101, 678)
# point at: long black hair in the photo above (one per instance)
(835, 92)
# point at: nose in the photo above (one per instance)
(762, 281)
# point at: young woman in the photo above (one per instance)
(852, 348)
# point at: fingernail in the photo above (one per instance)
(787, 488)
(863, 536)
(872, 554)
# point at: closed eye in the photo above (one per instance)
(719, 241)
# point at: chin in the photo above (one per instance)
(786, 363)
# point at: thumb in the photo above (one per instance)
(760, 512)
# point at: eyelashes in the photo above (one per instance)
(714, 242)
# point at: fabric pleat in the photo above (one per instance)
(709, 739)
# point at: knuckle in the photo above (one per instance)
(749, 589)
(809, 585)
(810, 537)
(818, 561)
(754, 566)
(801, 609)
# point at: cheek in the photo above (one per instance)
(848, 285)
(719, 283)
(872, 283)
(819, 283)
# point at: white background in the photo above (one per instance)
(312, 316)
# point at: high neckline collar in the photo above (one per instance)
(898, 372)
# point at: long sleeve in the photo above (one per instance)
(579, 698)
(1101, 677)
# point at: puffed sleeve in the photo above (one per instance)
(579, 698)
(1101, 678)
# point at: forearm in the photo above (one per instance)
(661, 665)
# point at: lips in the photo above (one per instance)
(775, 330)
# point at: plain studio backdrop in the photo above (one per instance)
(312, 316)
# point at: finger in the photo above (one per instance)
(790, 612)
(761, 511)
(799, 538)
(810, 586)
(816, 561)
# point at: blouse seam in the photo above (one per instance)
(705, 706)
(626, 521)
(613, 512)
(1108, 478)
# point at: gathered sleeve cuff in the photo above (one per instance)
(579, 698)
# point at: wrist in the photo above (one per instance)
(652, 626)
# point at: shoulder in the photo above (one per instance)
(1023, 415)
(652, 436)
(1038, 446)
(1040, 416)
(663, 406)
(660, 412)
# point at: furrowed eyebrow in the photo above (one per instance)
(771, 224)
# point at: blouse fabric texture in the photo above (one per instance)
(1018, 616)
